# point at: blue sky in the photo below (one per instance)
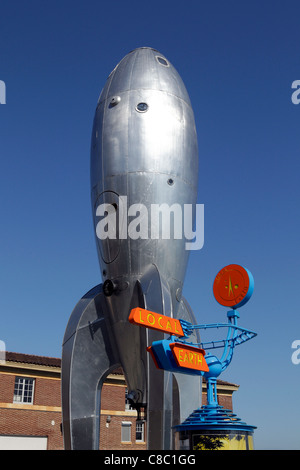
(238, 61)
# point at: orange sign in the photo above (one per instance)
(231, 285)
(189, 356)
(142, 317)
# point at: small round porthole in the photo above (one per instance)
(170, 181)
(115, 100)
(142, 107)
(162, 61)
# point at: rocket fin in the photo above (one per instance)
(88, 356)
(189, 387)
(156, 297)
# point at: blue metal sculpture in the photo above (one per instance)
(212, 416)
(212, 419)
(181, 354)
(236, 335)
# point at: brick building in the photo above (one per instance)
(30, 406)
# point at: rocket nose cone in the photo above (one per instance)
(143, 47)
(147, 69)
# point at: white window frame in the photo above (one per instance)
(142, 431)
(21, 382)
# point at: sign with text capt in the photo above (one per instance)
(189, 356)
(156, 321)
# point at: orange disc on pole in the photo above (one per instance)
(233, 286)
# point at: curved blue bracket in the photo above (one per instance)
(236, 335)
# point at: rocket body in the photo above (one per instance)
(144, 157)
(144, 176)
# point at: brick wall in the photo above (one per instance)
(28, 420)
(113, 400)
(113, 397)
(47, 392)
(43, 417)
(7, 383)
(20, 422)
(110, 434)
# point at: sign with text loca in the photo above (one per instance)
(189, 356)
(156, 321)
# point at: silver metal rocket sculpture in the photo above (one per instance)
(144, 171)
